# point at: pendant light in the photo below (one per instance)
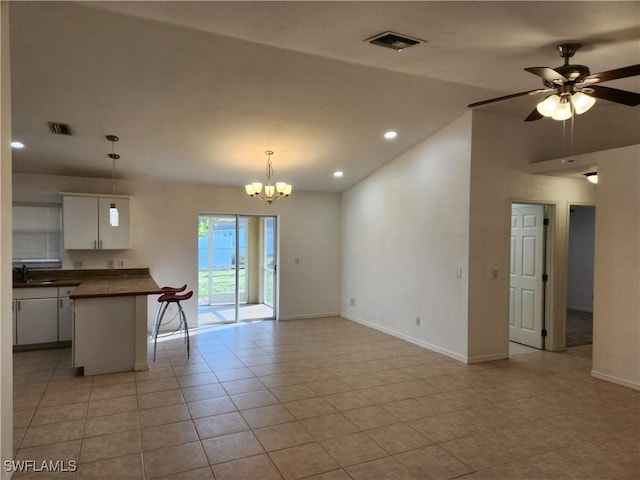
(114, 216)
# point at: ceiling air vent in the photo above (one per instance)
(393, 40)
(60, 128)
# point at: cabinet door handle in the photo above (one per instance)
(95, 244)
(18, 302)
(60, 304)
(100, 244)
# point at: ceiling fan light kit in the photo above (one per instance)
(562, 107)
(582, 102)
(574, 88)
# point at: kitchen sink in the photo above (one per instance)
(42, 281)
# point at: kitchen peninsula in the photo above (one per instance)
(107, 322)
(110, 323)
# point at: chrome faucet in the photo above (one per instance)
(21, 272)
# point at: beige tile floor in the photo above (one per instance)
(325, 399)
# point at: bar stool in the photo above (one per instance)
(161, 303)
(171, 296)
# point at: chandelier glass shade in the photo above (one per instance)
(563, 106)
(271, 192)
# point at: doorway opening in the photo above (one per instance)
(528, 275)
(582, 227)
(237, 268)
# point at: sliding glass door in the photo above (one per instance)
(225, 259)
(236, 268)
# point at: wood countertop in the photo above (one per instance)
(116, 287)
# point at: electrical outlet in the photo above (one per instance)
(352, 302)
(121, 263)
(110, 263)
(77, 264)
(296, 260)
(418, 321)
(459, 273)
(494, 273)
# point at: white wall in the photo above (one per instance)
(404, 234)
(164, 235)
(616, 329)
(582, 230)
(6, 324)
(500, 155)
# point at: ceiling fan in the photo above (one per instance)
(573, 88)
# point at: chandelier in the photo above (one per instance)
(271, 193)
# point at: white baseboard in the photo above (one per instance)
(310, 315)
(141, 366)
(402, 336)
(580, 309)
(616, 380)
(488, 358)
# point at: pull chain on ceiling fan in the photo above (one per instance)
(573, 88)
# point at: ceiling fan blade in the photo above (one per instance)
(624, 72)
(513, 95)
(535, 115)
(547, 74)
(615, 95)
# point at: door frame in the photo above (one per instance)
(550, 323)
(263, 259)
(564, 323)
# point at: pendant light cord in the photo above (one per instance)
(113, 156)
(113, 169)
(571, 137)
(564, 128)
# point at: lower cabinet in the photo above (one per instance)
(42, 315)
(37, 320)
(65, 314)
(13, 321)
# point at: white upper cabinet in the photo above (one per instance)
(86, 223)
(110, 237)
(80, 223)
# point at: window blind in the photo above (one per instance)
(37, 234)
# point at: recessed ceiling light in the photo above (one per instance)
(338, 174)
(17, 145)
(390, 135)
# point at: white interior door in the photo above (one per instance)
(526, 299)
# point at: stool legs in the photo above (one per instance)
(164, 302)
(155, 329)
(183, 319)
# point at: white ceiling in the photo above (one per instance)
(197, 91)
